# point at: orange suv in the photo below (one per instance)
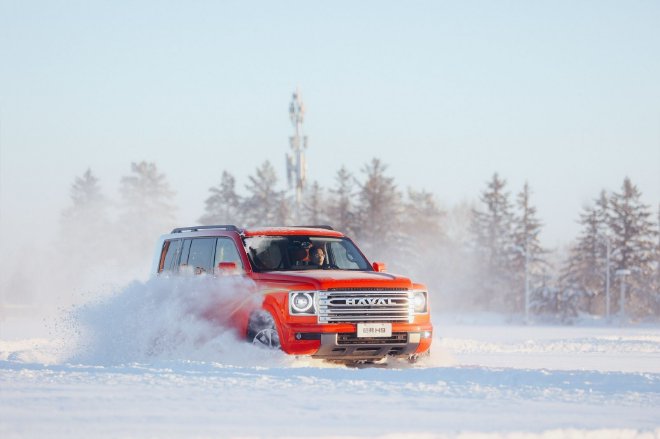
(321, 296)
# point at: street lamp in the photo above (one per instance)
(608, 253)
(524, 252)
(622, 273)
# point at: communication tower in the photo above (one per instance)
(296, 166)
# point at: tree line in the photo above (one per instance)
(483, 256)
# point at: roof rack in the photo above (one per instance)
(318, 226)
(229, 227)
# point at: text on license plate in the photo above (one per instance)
(374, 330)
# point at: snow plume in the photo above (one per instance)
(99, 243)
(167, 318)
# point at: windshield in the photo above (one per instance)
(286, 253)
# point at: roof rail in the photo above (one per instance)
(318, 226)
(229, 227)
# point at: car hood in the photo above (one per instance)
(327, 279)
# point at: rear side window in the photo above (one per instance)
(185, 251)
(201, 255)
(225, 251)
(173, 250)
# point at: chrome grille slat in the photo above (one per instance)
(367, 311)
(360, 289)
(365, 305)
(352, 293)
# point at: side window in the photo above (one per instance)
(201, 254)
(173, 250)
(225, 251)
(268, 255)
(185, 251)
(342, 258)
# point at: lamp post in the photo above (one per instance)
(526, 283)
(524, 252)
(608, 254)
(622, 273)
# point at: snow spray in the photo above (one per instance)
(164, 318)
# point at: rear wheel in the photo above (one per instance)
(262, 331)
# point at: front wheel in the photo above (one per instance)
(262, 331)
(412, 359)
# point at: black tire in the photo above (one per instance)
(262, 330)
(414, 358)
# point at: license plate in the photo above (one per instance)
(365, 330)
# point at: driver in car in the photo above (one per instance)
(317, 256)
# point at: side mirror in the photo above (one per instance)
(379, 267)
(227, 267)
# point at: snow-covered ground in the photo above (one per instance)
(485, 379)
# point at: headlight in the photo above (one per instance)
(420, 303)
(301, 303)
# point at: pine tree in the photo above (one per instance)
(453, 273)
(599, 269)
(264, 205)
(86, 220)
(528, 261)
(493, 245)
(423, 213)
(147, 209)
(314, 206)
(85, 192)
(223, 206)
(85, 227)
(634, 242)
(341, 211)
(584, 274)
(379, 213)
(655, 288)
(284, 213)
(424, 235)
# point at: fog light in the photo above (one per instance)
(426, 334)
(298, 336)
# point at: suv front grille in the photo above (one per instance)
(365, 306)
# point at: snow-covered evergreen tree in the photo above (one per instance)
(492, 230)
(423, 213)
(85, 193)
(424, 235)
(528, 256)
(314, 206)
(655, 286)
(341, 210)
(284, 214)
(379, 213)
(264, 205)
(88, 203)
(634, 238)
(583, 277)
(223, 206)
(85, 226)
(147, 210)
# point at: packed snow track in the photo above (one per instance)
(482, 381)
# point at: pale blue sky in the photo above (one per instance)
(565, 95)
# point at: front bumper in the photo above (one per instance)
(349, 347)
(339, 341)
